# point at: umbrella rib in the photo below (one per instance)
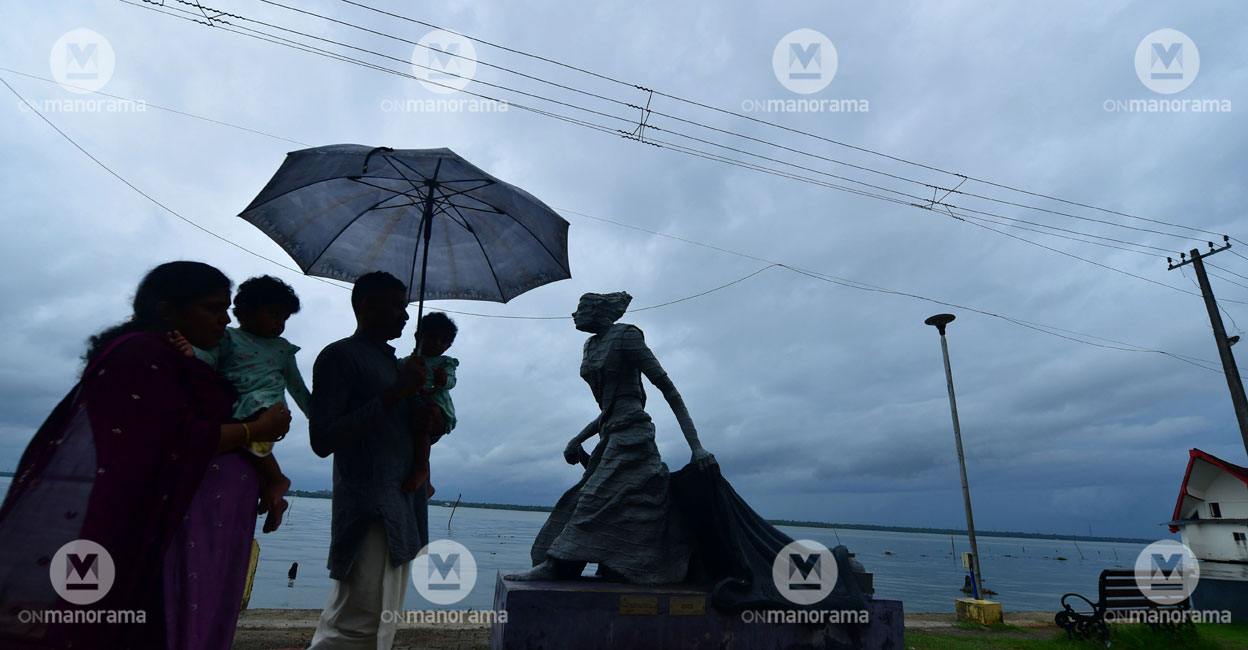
(527, 229)
(271, 199)
(342, 230)
(392, 161)
(492, 210)
(335, 178)
(448, 197)
(458, 180)
(404, 176)
(484, 255)
(357, 179)
(446, 202)
(442, 211)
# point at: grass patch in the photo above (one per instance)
(995, 627)
(1124, 637)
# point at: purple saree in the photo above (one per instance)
(128, 460)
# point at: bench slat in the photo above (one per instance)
(1142, 603)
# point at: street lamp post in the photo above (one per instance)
(939, 321)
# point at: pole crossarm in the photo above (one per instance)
(1196, 253)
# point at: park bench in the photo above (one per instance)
(1118, 596)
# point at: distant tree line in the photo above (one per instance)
(326, 494)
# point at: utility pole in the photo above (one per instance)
(1233, 380)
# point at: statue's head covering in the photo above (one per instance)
(604, 308)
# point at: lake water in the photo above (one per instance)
(921, 570)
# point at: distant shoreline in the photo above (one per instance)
(326, 494)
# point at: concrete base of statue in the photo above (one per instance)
(593, 613)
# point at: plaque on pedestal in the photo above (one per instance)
(592, 613)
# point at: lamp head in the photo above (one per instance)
(939, 321)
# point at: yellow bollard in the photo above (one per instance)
(983, 612)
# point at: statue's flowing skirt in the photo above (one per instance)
(644, 526)
(621, 514)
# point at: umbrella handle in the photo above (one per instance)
(370, 155)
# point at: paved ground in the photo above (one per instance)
(274, 629)
(1031, 625)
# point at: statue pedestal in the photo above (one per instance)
(591, 613)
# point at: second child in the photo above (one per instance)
(261, 365)
(433, 412)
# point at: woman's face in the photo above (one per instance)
(203, 321)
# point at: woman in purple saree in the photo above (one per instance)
(141, 458)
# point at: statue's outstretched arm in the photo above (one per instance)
(636, 350)
(573, 453)
(589, 431)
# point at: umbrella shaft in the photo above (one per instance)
(427, 234)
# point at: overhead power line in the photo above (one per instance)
(173, 212)
(654, 112)
(774, 125)
(1071, 335)
(158, 107)
(629, 120)
(131, 185)
(926, 204)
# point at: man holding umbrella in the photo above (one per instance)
(360, 415)
(440, 228)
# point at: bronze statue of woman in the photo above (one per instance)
(621, 514)
(644, 525)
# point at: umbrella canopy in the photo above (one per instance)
(426, 216)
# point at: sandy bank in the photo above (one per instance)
(270, 629)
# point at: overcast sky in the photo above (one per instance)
(821, 402)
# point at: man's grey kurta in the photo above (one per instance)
(372, 448)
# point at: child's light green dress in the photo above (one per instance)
(441, 397)
(262, 370)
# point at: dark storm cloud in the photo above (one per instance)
(821, 401)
